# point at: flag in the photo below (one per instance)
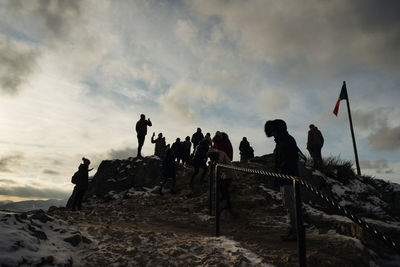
(343, 95)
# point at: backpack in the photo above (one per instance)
(75, 177)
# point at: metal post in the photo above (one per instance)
(353, 138)
(210, 195)
(301, 235)
(217, 199)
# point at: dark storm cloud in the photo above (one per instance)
(10, 162)
(386, 138)
(314, 36)
(58, 16)
(381, 136)
(16, 65)
(371, 119)
(29, 191)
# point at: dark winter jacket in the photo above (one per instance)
(169, 164)
(160, 147)
(196, 138)
(315, 138)
(177, 148)
(200, 153)
(141, 127)
(286, 156)
(244, 146)
(83, 177)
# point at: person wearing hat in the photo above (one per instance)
(286, 162)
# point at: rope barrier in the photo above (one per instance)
(387, 240)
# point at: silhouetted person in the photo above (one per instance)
(315, 141)
(199, 160)
(177, 148)
(246, 151)
(168, 170)
(197, 137)
(186, 150)
(218, 156)
(208, 138)
(221, 142)
(159, 149)
(80, 179)
(141, 130)
(286, 162)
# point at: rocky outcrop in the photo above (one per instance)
(119, 175)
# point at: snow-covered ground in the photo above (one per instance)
(31, 240)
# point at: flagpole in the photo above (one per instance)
(352, 134)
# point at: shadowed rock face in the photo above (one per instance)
(119, 175)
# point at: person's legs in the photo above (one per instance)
(288, 201)
(140, 142)
(196, 171)
(173, 184)
(205, 169)
(79, 197)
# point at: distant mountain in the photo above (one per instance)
(22, 206)
(3, 202)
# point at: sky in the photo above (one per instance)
(76, 75)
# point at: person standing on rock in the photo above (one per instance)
(141, 131)
(196, 138)
(168, 165)
(81, 181)
(246, 151)
(159, 149)
(286, 162)
(315, 141)
(177, 148)
(186, 150)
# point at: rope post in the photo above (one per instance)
(301, 235)
(210, 195)
(217, 200)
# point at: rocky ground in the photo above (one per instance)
(125, 222)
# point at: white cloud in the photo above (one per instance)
(187, 98)
(186, 31)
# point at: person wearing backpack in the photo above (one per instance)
(200, 160)
(81, 181)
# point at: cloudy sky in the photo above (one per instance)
(76, 75)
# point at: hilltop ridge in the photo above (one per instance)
(129, 224)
